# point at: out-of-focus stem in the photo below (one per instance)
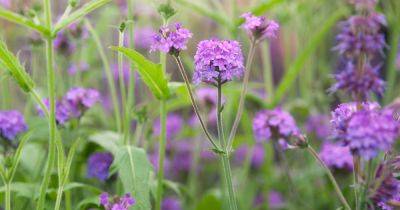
(242, 94)
(193, 101)
(122, 89)
(268, 76)
(132, 79)
(109, 74)
(227, 174)
(8, 195)
(330, 176)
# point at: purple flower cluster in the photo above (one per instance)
(319, 125)
(359, 84)
(257, 155)
(171, 41)
(388, 190)
(171, 203)
(336, 156)
(116, 203)
(218, 61)
(274, 124)
(73, 105)
(360, 39)
(63, 44)
(174, 125)
(143, 38)
(275, 200)
(365, 128)
(12, 123)
(98, 165)
(259, 28)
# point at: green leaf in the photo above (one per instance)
(210, 201)
(81, 12)
(22, 189)
(17, 155)
(151, 73)
(107, 139)
(298, 64)
(134, 171)
(23, 21)
(14, 67)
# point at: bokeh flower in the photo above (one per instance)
(98, 165)
(174, 125)
(79, 67)
(143, 38)
(171, 41)
(116, 203)
(388, 189)
(182, 156)
(259, 27)
(63, 44)
(5, 3)
(218, 61)
(171, 203)
(336, 156)
(319, 125)
(257, 155)
(12, 123)
(80, 99)
(274, 124)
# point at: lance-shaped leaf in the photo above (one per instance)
(151, 73)
(74, 16)
(21, 20)
(134, 170)
(11, 63)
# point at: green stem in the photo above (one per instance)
(242, 94)
(193, 101)
(8, 196)
(161, 153)
(391, 63)
(227, 174)
(109, 74)
(330, 176)
(268, 75)
(52, 117)
(132, 79)
(59, 197)
(122, 89)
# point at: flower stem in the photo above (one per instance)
(109, 74)
(52, 117)
(132, 79)
(331, 177)
(161, 153)
(59, 197)
(122, 90)
(242, 95)
(194, 104)
(8, 196)
(227, 174)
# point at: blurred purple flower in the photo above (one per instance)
(63, 44)
(367, 130)
(182, 157)
(63, 112)
(257, 155)
(336, 156)
(171, 203)
(12, 123)
(174, 125)
(75, 68)
(388, 190)
(207, 98)
(171, 41)
(359, 84)
(5, 3)
(259, 27)
(276, 124)
(319, 125)
(80, 99)
(361, 34)
(98, 165)
(154, 157)
(116, 203)
(398, 62)
(143, 38)
(218, 61)
(78, 31)
(125, 71)
(275, 200)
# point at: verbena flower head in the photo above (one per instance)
(257, 155)
(336, 156)
(171, 41)
(388, 190)
(319, 125)
(365, 129)
(12, 123)
(98, 165)
(259, 27)
(78, 31)
(218, 61)
(174, 125)
(359, 84)
(80, 99)
(63, 44)
(361, 34)
(63, 111)
(276, 124)
(116, 203)
(171, 203)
